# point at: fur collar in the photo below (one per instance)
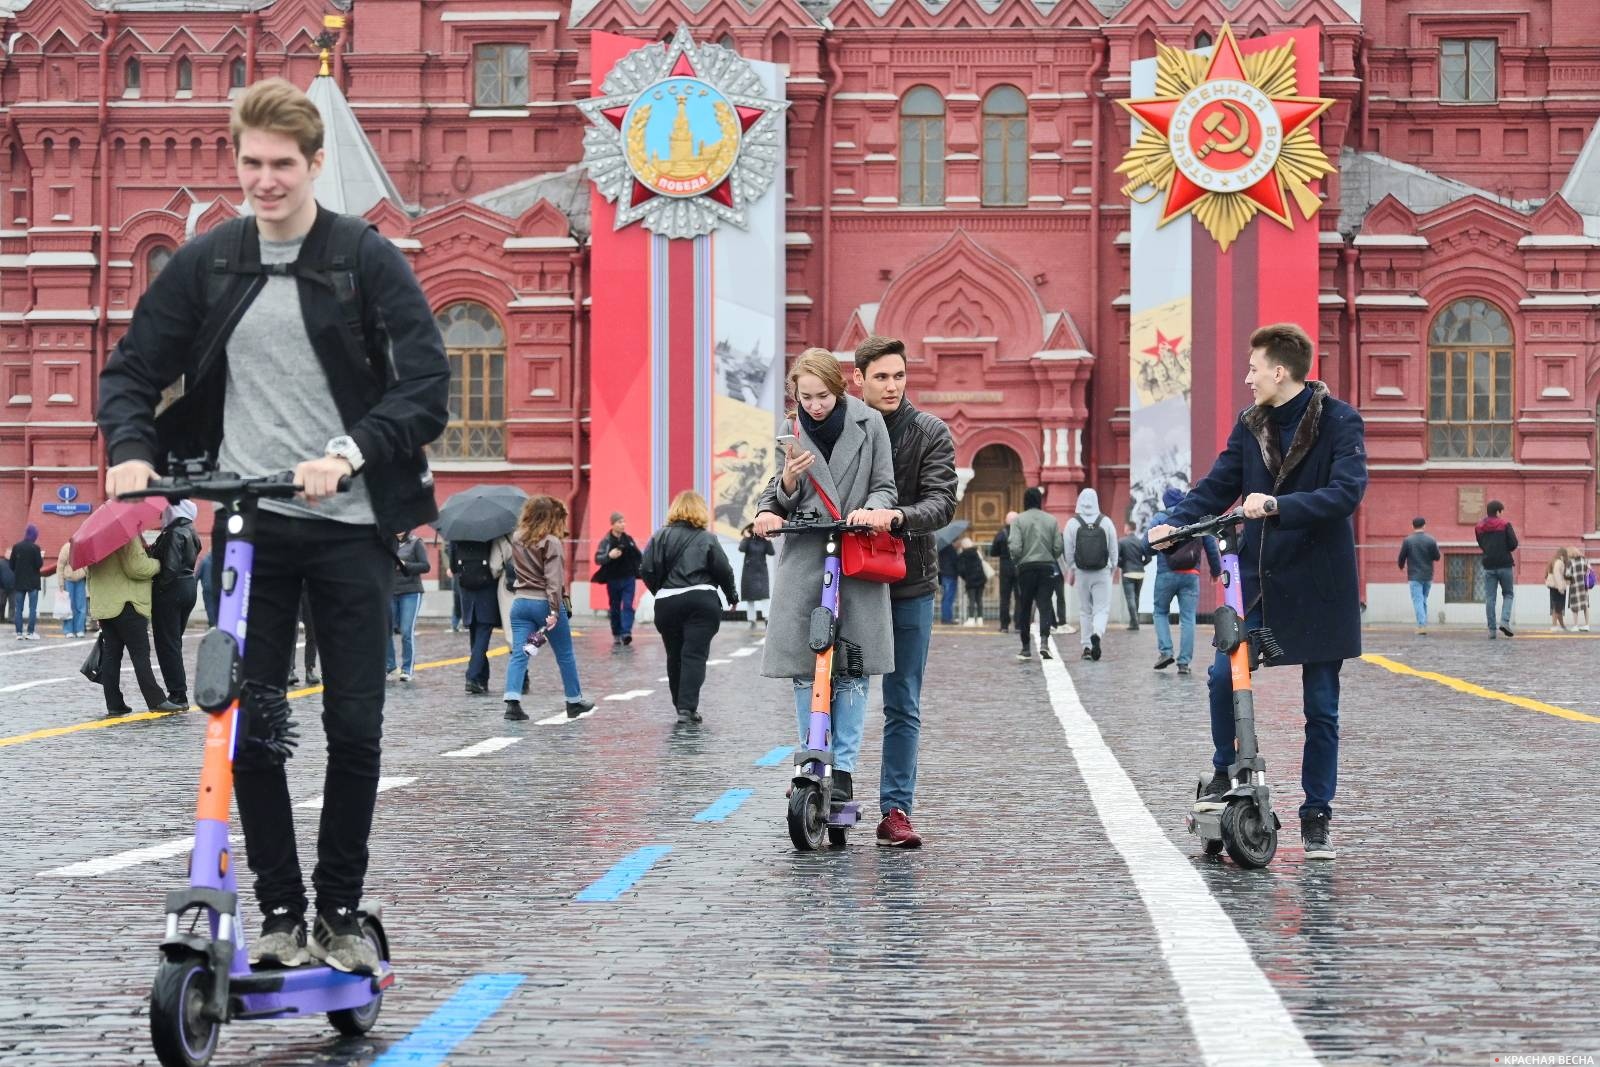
(1305, 435)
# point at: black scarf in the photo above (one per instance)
(825, 434)
(898, 422)
(1286, 417)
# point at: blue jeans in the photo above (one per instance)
(1497, 580)
(947, 599)
(1186, 587)
(403, 613)
(902, 703)
(849, 718)
(1319, 761)
(32, 600)
(78, 597)
(620, 595)
(527, 616)
(1419, 600)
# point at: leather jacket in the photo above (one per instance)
(925, 481)
(681, 555)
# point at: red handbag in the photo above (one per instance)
(875, 557)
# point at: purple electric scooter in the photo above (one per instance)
(205, 978)
(812, 813)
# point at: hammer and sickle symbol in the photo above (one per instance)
(1235, 142)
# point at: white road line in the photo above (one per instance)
(717, 662)
(58, 644)
(483, 748)
(663, 678)
(1234, 1012)
(739, 653)
(20, 686)
(384, 785)
(632, 694)
(107, 864)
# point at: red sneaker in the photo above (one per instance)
(895, 831)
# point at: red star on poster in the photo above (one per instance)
(1162, 341)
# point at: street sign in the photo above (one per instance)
(67, 493)
(67, 509)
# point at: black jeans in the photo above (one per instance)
(347, 572)
(1036, 585)
(311, 633)
(687, 623)
(478, 665)
(1008, 592)
(170, 608)
(1130, 593)
(128, 630)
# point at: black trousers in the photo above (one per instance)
(1008, 593)
(131, 631)
(347, 573)
(170, 608)
(478, 665)
(311, 632)
(687, 623)
(1036, 585)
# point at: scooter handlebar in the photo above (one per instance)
(1206, 527)
(825, 527)
(224, 486)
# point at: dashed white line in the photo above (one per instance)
(717, 662)
(107, 864)
(1196, 937)
(384, 785)
(483, 748)
(632, 694)
(20, 686)
(740, 653)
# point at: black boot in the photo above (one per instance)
(688, 715)
(578, 707)
(844, 787)
(514, 712)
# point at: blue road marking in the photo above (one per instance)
(775, 757)
(620, 878)
(724, 805)
(437, 1036)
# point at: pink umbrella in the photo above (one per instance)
(115, 524)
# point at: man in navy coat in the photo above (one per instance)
(1298, 459)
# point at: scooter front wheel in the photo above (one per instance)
(182, 1036)
(808, 817)
(1250, 842)
(353, 1022)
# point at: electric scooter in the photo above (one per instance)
(205, 978)
(813, 814)
(1246, 825)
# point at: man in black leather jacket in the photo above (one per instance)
(925, 480)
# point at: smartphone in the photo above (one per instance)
(784, 441)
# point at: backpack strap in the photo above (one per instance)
(234, 255)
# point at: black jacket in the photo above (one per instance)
(969, 565)
(925, 483)
(411, 563)
(178, 550)
(27, 561)
(393, 399)
(1498, 540)
(1418, 553)
(947, 561)
(681, 555)
(624, 566)
(1000, 549)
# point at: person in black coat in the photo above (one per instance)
(1000, 549)
(1298, 459)
(616, 558)
(969, 565)
(754, 582)
(684, 566)
(173, 595)
(949, 581)
(27, 569)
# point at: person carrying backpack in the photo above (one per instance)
(1091, 552)
(173, 596)
(477, 567)
(305, 343)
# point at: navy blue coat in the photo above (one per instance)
(1302, 562)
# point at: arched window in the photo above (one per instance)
(154, 260)
(236, 74)
(1469, 382)
(476, 346)
(1202, 39)
(1005, 147)
(922, 147)
(185, 76)
(131, 77)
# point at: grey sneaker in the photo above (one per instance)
(283, 940)
(337, 940)
(1315, 836)
(1211, 798)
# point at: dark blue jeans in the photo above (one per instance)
(947, 599)
(31, 598)
(902, 702)
(620, 593)
(1319, 762)
(1498, 580)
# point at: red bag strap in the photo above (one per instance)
(826, 501)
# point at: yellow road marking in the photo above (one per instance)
(151, 716)
(1463, 686)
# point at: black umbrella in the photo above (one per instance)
(481, 513)
(946, 535)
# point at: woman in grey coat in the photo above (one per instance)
(844, 446)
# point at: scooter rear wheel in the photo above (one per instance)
(808, 817)
(1250, 842)
(181, 1035)
(353, 1022)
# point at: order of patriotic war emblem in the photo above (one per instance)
(684, 137)
(1225, 136)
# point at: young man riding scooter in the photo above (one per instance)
(1298, 459)
(925, 478)
(255, 317)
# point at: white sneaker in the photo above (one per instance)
(404, 677)
(33, 637)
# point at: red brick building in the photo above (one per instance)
(949, 181)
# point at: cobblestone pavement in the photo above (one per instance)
(1459, 923)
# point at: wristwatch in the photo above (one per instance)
(345, 447)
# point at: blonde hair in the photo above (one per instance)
(278, 106)
(819, 363)
(690, 507)
(542, 516)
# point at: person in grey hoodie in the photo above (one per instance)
(1091, 554)
(1035, 543)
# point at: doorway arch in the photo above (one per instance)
(996, 488)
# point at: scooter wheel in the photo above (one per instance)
(1251, 843)
(353, 1022)
(808, 817)
(181, 1035)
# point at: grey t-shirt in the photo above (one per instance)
(279, 410)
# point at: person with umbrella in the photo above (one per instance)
(120, 587)
(476, 524)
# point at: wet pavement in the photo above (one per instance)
(1460, 922)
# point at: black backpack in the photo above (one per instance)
(469, 562)
(1089, 551)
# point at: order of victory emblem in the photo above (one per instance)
(683, 137)
(1226, 136)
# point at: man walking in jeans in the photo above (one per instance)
(925, 478)
(278, 378)
(1418, 554)
(617, 561)
(1498, 540)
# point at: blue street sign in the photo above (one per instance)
(66, 509)
(67, 494)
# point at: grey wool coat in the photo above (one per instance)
(860, 475)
